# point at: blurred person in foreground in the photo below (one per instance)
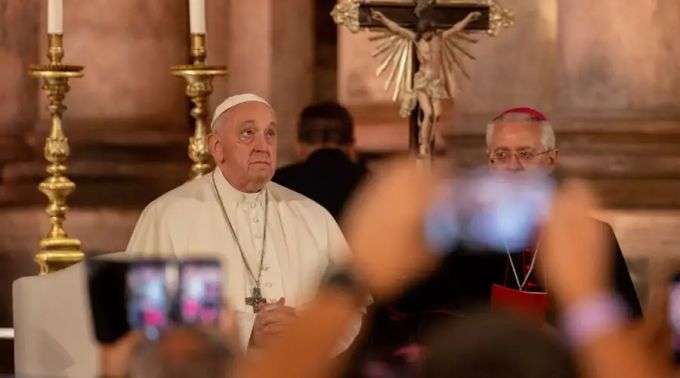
(591, 315)
(184, 352)
(485, 346)
(200, 351)
(327, 173)
(179, 352)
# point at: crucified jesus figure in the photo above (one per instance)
(429, 85)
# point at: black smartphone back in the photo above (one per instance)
(152, 294)
(106, 280)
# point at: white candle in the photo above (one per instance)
(55, 16)
(197, 16)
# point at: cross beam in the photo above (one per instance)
(356, 14)
(445, 14)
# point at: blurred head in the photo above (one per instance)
(521, 139)
(425, 27)
(325, 125)
(243, 143)
(184, 352)
(496, 345)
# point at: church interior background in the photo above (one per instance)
(606, 72)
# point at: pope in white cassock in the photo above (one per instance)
(275, 244)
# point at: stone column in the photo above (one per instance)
(268, 47)
(18, 93)
(293, 71)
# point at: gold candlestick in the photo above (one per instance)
(199, 78)
(57, 249)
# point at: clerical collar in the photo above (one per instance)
(230, 194)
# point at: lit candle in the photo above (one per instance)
(55, 16)
(197, 16)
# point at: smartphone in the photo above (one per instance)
(200, 293)
(674, 315)
(487, 210)
(151, 292)
(106, 282)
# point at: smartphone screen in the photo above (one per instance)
(149, 300)
(674, 315)
(489, 211)
(200, 293)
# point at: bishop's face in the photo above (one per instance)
(244, 145)
(517, 146)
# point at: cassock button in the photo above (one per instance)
(268, 284)
(256, 220)
(252, 205)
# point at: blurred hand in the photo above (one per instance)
(271, 321)
(654, 330)
(384, 228)
(114, 359)
(574, 256)
(228, 327)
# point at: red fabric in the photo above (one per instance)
(533, 113)
(531, 304)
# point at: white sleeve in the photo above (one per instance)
(151, 236)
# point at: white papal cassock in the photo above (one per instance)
(302, 240)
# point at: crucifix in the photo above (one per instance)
(421, 45)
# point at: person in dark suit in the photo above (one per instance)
(519, 139)
(328, 173)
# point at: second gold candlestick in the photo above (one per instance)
(199, 77)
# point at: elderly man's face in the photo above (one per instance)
(244, 145)
(516, 146)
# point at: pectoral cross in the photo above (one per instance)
(256, 299)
